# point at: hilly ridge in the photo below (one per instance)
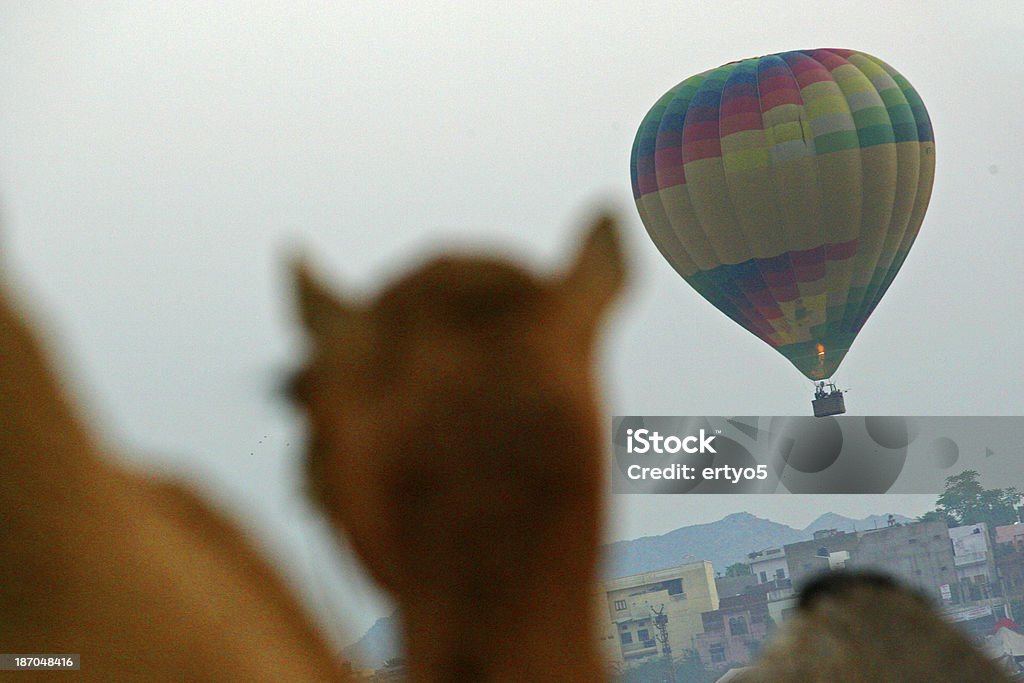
(723, 542)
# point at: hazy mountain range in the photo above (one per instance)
(723, 543)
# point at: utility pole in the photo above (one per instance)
(661, 623)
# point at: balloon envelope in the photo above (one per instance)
(787, 190)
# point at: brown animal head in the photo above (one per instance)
(455, 433)
(866, 628)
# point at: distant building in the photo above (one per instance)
(955, 568)
(772, 572)
(782, 609)
(1010, 566)
(981, 601)
(628, 607)
(734, 632)
(1013, 534)
(1009, 552)
(829, 549)
(975, 562)
(771, 567)
(920, 554)
(769, 564)
(734, 585)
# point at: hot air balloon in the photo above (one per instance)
(787, 190)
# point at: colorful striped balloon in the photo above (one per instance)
(787, 190)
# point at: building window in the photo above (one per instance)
(717, 652)
(738, 626)
(780, 574)
(643, 635)
(626, 637)
(764, 577)
(620, 604)
(674, 587)
(912, 541)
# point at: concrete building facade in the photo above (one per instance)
(768, 564)
(734, 632)
(772, 571)
(1012, 534)
(974, 560)
(829, 549)
(954, 568)
(628, 609)
(920, 554)
(734, 585)
(1010, 565)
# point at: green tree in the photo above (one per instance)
(936, 516)
(738, 569)
(965, 501)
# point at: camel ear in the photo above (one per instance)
(599, 270)
(325, 315)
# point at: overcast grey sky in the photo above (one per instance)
(156, 159)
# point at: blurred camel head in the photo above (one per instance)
(455, 433)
